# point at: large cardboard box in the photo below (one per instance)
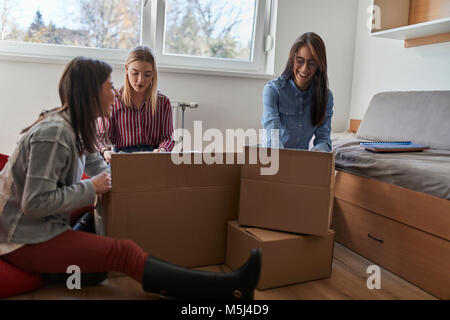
(286, 258)
(299, 198)
(178, 213)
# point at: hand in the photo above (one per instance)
(102, 183)
(107, 155)
(159, 150)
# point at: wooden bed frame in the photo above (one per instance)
(403, 231)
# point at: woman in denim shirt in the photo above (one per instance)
(299, 103)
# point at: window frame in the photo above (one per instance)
(56, 53)
(258, 55)
(152, 29)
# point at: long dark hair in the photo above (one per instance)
(320, 80)
(79, 92)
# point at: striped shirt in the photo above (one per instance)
(133, 126)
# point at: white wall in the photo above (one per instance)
(385, 65)
(225, 102)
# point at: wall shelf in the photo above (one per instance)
(417, 22)
(418, 30)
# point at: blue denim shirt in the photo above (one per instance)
(288, 109)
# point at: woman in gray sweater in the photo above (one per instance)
(40, 185)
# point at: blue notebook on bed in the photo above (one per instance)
(393, 146)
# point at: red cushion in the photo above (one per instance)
(14, 281)
(3, 160)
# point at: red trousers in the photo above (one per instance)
(90, 252)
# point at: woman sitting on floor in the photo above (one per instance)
(40, 185)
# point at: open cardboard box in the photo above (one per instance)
(286, 258)
(178, 213)
(298, 199)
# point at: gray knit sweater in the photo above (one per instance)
(40, 184)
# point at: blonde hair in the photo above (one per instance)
(144, 54)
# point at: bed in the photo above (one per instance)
(394, 208)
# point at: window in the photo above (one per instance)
(206, 34)
(113, 24)
(212, 34)
(55, 29)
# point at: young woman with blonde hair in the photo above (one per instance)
(40, 186)
(141, 118)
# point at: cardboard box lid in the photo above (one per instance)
(266, 235)
(299, 167)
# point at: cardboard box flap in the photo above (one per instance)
(144, 172)
(300, 167)
(285, 207)
(269, 235)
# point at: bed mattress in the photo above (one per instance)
(427, 171)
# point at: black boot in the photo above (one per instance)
(173, 281)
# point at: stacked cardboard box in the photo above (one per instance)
(288, 216)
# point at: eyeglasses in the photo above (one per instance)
(311, 64)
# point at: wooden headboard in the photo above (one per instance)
(354, 125)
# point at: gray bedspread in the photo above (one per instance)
(427, 171)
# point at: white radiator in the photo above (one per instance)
(178, 110)
(176, 115)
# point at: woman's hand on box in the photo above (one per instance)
(107, 155)
(102, 183)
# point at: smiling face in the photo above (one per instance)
(305, 67)
(107, 94)
(140, 75)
